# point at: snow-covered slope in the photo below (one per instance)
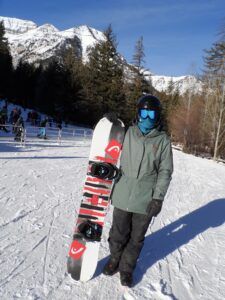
(40, 191)
(88, 37)
(181, 83)
(171, 84)
(17, 26)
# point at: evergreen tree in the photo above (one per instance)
(215, 60)
(170, 102)
(139, 55)
(142, 85)
(215, 74)
(104, 78)
(52, 90)
(137, 84)
(24, 81)
(76, 102)
(6, 67)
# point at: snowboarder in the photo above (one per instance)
(146, 169)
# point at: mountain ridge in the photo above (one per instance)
(33, 44)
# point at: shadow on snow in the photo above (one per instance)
(165, 241)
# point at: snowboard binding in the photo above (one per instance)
(91, 231)
(104, 171)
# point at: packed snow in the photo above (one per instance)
(40, 192)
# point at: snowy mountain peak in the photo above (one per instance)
(180, 83)
(89, 31)
(47, 28)
(32, 43)
(88, 37)
(17, 26)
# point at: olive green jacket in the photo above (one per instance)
(146, 166)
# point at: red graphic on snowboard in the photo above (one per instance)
(76, 250)
(113, 149)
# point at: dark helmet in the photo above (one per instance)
(150, 102)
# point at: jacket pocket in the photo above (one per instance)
(142, 195)
(120, 191)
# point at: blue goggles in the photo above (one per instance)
(145, 113)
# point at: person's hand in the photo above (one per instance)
(154, 207)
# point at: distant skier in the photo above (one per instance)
(42, 129)
(3, 122)
(14, 116)
(19, 129)
(4, 113)
(146, 169)
(59, 123)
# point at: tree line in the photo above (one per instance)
(198, 122)
(82, 93)
(77, 92)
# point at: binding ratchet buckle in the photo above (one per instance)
(90, 230)
(104, 170)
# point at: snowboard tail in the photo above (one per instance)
(101, 174)
(83, 258)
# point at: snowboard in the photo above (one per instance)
(102, 172)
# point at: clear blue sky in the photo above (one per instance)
(175, 32)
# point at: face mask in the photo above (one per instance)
(146, 125)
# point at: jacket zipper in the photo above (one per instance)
(141, 159)
(139, 165)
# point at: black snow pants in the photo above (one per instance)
(126, 237)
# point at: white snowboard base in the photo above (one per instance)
(89, 261)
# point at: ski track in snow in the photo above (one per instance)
(40, 191)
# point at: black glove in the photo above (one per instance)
(111, 117)
(154, 207)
